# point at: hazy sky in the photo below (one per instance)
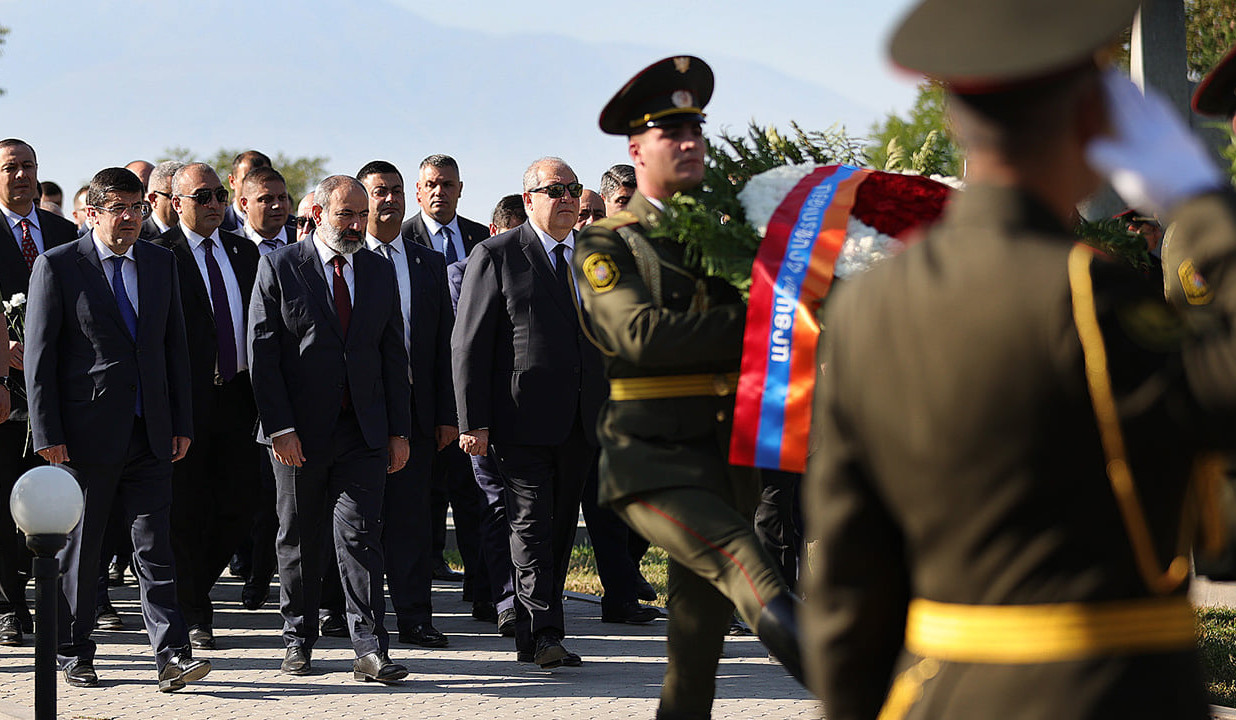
(496, 84)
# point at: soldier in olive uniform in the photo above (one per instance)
(1215, 96)
(672, 340)
(1008, 427)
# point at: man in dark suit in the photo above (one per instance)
(330, 374)
(25, 232)
(264, 198)
(213, 488)
(526, 376)
(438, 226)
(427, 320)
(242, 165)
(109, 392)
(494, 531)
(159, 194)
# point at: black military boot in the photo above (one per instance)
(778, 630)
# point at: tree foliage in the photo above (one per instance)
(301, 173)
(920, 142)
(1210, 33)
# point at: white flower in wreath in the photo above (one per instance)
(17, 300)
(7, 307)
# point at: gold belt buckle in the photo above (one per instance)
(721, 385)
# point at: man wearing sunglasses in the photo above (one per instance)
(304, 217)
(159, 194)
(213, 488)
(673, 341)
(527, 379)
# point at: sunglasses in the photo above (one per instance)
(557, 190)
(304, 222)
(203, 196)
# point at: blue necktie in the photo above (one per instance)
(128, 314)
(448, 246)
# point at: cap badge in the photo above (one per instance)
(683, 98)
(681, 64)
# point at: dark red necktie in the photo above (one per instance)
(28, 249)
(343, 308)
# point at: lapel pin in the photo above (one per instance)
(418, 261)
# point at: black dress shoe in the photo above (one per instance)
(181, 669)
(10, 630)
(506, 623)
(425, 635)
(296, 661)
(738, 627)
(443, 572)
(334, 626)
(484, 611)
(524, 656)
(106, 618)
(572, 660)
(254, 595)
(644, 589)
(201, 638)
(80, 673)
(549, 652)
(376, 667)
(631, 614)
(115, 574)
(239, 567)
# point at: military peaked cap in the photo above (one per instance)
(1216, 93)
(978, 46)
(667, 92)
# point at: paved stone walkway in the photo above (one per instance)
(476, 677)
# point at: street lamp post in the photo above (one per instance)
(46, 504)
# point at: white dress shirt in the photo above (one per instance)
(14, 221)
(235, 301)
(128, 270)
(326, 256)
(549, 244)
(399, 259)
(264, 244)
(435, 234)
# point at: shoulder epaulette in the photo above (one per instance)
(622, 218)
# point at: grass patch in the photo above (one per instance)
(582, 571)
(1217, 646)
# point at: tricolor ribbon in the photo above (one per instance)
(793, 270)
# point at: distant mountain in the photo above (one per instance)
(118, 81)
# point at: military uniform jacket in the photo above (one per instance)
(960, 461)
(670, 442)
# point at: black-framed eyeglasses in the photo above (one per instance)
(160, 193)
(557, 190)
(304, 222)
(141, 208)
(203, 196)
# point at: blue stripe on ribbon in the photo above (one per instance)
(786, 291)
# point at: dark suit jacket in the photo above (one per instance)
(82, 365)
(433, 317)
(199, 314)
(473, 233)
(232, 220)
(150, 229)
(522, 365)
(299, 359)
(15, 278)
(454, 278)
